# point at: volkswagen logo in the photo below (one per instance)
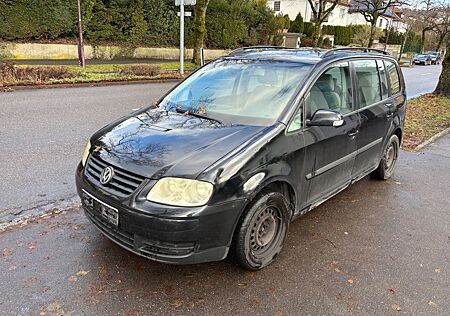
(106, 175)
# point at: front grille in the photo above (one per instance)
(123, 182)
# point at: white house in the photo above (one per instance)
(340, 15)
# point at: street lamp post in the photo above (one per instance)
(80, 37)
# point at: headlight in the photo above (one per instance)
(86, 153)
(180, 192)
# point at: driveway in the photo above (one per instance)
(377, 248)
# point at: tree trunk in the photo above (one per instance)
(441, 40)
(443, 86)
(373, 26)
(402, 47)
(422, 40)
(199, 29)
(316, 34)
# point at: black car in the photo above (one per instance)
(224, 162)
(435, 57)
(424, 59)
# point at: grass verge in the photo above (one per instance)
(19, 75)
(426, 116)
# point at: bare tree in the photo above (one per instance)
(426, 17)
(442, 28)
(372, 10)
(321, 10)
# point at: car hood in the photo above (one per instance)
(156, 143)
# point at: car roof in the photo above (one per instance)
(307, 55)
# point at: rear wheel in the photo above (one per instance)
(260, 234)
(387, 164)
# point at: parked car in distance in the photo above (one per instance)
(423, 59)
(435, 57)
(225, 161)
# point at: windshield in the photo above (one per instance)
(253, 92)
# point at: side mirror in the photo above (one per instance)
(326, 118)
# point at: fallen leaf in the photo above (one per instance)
(82, 273)
(169, 290)
(73, 279)
(250, 273)
(437, 270)
(12, 268)
(350, 281)
(391, 290)
(337, 270)
(177, 303)
(396, 307)
(345, 233)
(431, 303)
(243, 284)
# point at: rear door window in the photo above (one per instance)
(367, 82)
(394, 79)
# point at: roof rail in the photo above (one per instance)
(268, 47)
(349, 49)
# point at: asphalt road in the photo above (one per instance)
(43, 134)
(421, 79)
(377, 248)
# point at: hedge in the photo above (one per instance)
(137, 22)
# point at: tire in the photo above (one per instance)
(261, 231)
(387, 164)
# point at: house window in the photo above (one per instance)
(342, 14)
(381, 23)
(276, 6)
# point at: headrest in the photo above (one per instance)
(364, 79)
(326, 83)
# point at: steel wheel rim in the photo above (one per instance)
(265, 230)
(391, 156)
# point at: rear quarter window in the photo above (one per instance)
(394, 78)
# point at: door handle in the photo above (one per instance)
(390, 106)
(353, 134)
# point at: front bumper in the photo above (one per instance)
(163, 233)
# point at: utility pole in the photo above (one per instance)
(181, 37)
(80, 37)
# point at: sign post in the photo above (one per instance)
(182, 14)
(80, 37)
(182, 37)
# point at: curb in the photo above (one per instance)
(85, 84)
(432, 139)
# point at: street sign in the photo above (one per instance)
(186, 2)
(185, 13)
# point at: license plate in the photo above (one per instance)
(109, 213)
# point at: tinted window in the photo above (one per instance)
(383, 80)
(393, 77)
(332, 91)
(367, 82)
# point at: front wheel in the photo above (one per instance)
(387, 164)
(261, 232)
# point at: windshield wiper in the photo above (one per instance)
(197, 115)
